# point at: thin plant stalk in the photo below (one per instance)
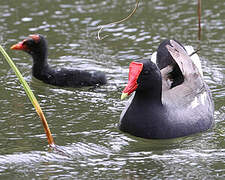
(31, 97)
(199, 19)
(117, 22)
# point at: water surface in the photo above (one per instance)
(83, 120)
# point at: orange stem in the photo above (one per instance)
(45, 124)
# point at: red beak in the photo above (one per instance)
(135, 69)
(19, 46)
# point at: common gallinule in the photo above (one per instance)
(37, 46)
(156, 112)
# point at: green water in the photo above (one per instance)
(84, 121)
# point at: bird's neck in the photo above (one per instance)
(150, 96)
(40, 65)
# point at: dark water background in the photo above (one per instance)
(84, 121)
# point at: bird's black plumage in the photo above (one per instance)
(157, 112)
(37, 47)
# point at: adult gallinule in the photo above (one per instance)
(37, 46)
(156, 112)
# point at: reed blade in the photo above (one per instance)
(31, 97)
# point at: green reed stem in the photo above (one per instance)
(30, 96)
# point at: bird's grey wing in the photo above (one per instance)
(186, 65)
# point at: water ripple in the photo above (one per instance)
(84, 120)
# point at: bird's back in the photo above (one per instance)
(74, 78)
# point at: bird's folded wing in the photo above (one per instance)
(186, 65)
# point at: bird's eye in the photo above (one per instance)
(29, 42)
(145, 72)
(26, 43)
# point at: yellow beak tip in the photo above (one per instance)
(123, 96)
(13, 47)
